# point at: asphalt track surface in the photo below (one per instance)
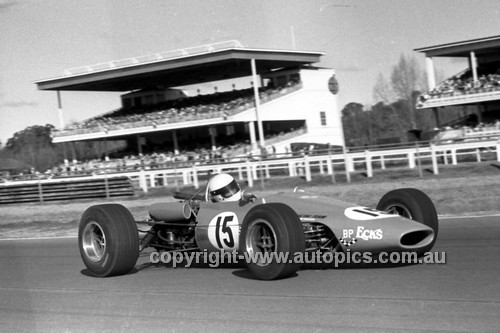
(44, 286)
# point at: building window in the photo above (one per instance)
(322, 115)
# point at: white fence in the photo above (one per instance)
(304, 166)
(347, 162)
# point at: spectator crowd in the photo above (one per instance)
(463, 83)
(214, 105)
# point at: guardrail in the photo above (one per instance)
(65, 189)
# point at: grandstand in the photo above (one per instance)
(283, 94)
(476, 87)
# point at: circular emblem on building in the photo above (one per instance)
(333, 85)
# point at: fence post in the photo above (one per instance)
(254, 171)
(152, 181)
(346, 164)
(368, 161)
(40, 191)
(478, 153)
(350, 163)
(411, 160)
(195, 177)
(454, 156)
(419, 161)
(185, 178)
(329, 165)
(434, 159)
(498, 150)
(240, 174)
(249, 174)
(106, 186)
(307, 168)
(382, 162)
(262, 186)
(291, 169)
(142, 181)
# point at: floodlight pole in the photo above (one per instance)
(61, 122)
(257, 104)
(60, 110)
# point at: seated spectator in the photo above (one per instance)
(185, 109)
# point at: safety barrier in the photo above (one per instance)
(65, 189)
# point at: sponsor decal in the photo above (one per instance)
(362, 233)
(224, 231)
(365, 213)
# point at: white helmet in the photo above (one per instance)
(223, 187)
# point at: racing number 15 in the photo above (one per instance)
(229, 241)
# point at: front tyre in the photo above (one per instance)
(108, 240)
(413, 204)
(268, 232)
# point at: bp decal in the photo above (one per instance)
(224, 231)
(361, 233)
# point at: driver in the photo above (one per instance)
(223, 187)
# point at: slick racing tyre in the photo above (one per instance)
(269, 231)
(413, 204)
(108, 240)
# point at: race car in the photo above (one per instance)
(220, 217)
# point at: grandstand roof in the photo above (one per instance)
(481, 47)
(177, 68)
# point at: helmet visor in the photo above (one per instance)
(227, 191)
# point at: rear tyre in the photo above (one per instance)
(108, 240)
(413, 204)
(268, 231)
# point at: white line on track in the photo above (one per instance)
(38, 238)
(449, 217)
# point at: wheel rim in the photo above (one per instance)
(261, 238)
(398, 209)
(94, 241)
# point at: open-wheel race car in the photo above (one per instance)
(220, 217)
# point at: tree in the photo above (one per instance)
(382, 91)
(406, 79)
(351, 109)
(357, 125)
(33, 145)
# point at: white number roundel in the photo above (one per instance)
(365, 213)
(224, 231)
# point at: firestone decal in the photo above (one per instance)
(365, 213)
(361, 233)
(224, 231)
